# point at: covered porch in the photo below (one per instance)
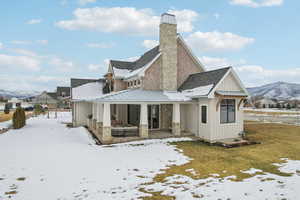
(118, 117)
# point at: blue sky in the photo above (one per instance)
(44, 43)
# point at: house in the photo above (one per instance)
(166, 90)
(47, 98)
(63, 95)
(266, 103)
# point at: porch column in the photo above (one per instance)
(106, 129)
(94, 121)
(99, 123)
(143, 130)
(176, 119)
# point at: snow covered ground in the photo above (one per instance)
(46, 160)
(62, 163)
(267, 186)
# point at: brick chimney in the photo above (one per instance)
(168, 48)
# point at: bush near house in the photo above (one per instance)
(19, 118)
(38, 109)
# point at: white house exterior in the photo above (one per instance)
(167, 89)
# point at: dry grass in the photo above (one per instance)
(5, 117)
(278, 141)
(271, 113)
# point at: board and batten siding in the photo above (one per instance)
(226, 130)
(81, 112)
(229, 84)
(189, 118)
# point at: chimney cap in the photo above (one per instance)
(167, 18)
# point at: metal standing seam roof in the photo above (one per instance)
(138, 95)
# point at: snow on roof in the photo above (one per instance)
(198, 91)
(88, 91)
(127, 74)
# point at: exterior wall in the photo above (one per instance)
(185, 64)
(119, 85)
(223, 131)
(81, 110)
(229, 84)
(189, 118)
(204, 130)
(168, 48)
(166, 111)
(151, 80)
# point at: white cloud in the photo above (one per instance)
(94, 67)
(34, 21)
(257, 3)
(127, 20)
(62, 65)
(149, 44)
(43, 42)
(24, 62)
(24, 52)
(217, 41)
(83, 2)
(1, 45)
(185, 19)
(216, 62)
(100, 45)
(22, 42)
(254, 75)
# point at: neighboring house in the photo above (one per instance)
(266, 103)
(166, 90)
(47, 98)
(63, 94)
(82, 89)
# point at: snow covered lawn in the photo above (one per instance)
(46, 160)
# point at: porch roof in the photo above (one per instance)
(138, 95)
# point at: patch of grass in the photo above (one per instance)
(277, 141)
(21, 179)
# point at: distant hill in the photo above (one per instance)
(277, 90)
(18, 93)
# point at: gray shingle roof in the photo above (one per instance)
(61, 90)
(52, 95)
(203, 79)
(142, 61)
(76, 82)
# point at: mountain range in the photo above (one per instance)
(18, 93)
(277, 90)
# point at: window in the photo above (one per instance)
(203, 114)
(128, 84)
(135, 82)
(227, 111)
(139, 82)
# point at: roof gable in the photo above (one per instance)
(203, 79)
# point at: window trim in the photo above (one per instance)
(235, 112)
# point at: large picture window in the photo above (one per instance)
(227, 111)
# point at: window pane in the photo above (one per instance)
(204, 114)
(223, 114)
(231, 114)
